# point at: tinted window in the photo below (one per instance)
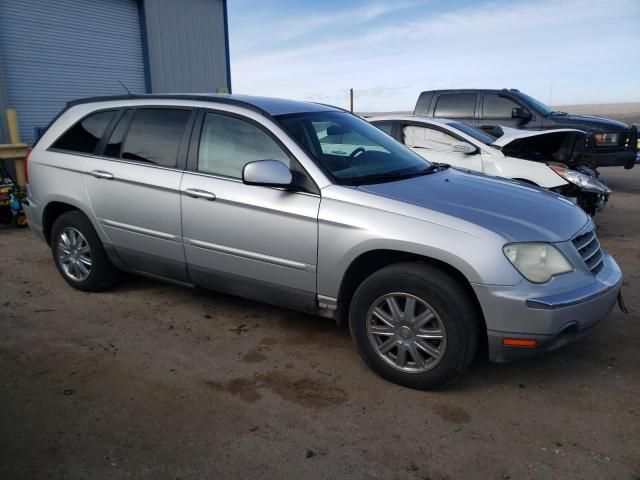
(227, 144)
(114, 145)
(154, 136)
(386, 127)
(496, 106)
(456, 105)
(84, 136)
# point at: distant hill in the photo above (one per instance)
(625, 112)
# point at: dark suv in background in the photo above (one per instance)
(610, 143)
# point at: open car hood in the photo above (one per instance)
(564, 145)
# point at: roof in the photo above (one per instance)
(265, 105)
(472, 90)
(410, 118)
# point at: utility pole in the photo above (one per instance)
(351, 99)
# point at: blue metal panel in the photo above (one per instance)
(53, 52)
(188, 45)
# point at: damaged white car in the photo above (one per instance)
(550, 159)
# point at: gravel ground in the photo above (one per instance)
(159, 382)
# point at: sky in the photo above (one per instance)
(562, 52)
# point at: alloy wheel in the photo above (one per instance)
(406, 332)
(74, 254)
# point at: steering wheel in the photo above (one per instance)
(357, 152)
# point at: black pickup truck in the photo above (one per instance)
(610, 143)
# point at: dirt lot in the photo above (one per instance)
(158, 382)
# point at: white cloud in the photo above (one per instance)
(579, 46)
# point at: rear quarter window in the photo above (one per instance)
(84, 136)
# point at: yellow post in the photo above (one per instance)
(14, 139)
(12, 122)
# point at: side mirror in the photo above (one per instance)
(267, 173)
(521, 113)
(463, 147)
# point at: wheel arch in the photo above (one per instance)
(54, 209)
(371, 261)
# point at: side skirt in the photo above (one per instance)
(245, 287)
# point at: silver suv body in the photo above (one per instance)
(251, 196)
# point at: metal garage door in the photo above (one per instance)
(56, 51)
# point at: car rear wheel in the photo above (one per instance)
(414, 325)
(79, 254)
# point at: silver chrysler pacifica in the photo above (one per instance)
(257, 197)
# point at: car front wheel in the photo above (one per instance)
(414, 325)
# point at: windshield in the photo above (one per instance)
(350, 149)
(537, 104)
(473, 132)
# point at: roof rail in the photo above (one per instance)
(219, 98)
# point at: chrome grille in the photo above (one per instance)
(589, 249)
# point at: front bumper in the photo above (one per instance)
(623, 156)
(552, 321)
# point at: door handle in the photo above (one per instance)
(102, 174)
(195, 193)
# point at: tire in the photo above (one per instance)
(437, 296)
(101, 272)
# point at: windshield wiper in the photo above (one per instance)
(386, 177)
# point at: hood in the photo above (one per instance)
(512, 209)
(510, 135)
(563, 145)
(590, 124)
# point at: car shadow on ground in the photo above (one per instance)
(549, 369)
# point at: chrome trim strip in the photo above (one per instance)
(158, 167)
(587, 242)
(112, 159)
(283, 262)
(239, 180)
(592, 255)
(141, 230)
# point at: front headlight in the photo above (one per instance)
(606, 139)
(537, 262)
(583, 181)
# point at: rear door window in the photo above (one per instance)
(84, 136)
(386, 127)
(496, 106)
(155, 135)
(428, 138)
(456, 105)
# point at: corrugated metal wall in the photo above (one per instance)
(55, 51)
(187, 46)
